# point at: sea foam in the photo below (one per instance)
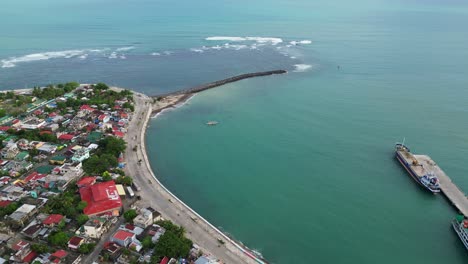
(12, 61)
(303, 42)
(269, 40)
(125, 48)
(302, 67)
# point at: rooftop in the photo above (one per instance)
(53, 219)
(101, 197)
(122, 235)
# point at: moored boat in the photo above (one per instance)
(212, 123)
(416, 170)
(460, 225)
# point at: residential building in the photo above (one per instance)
(22, 214)
(32, 123)
(52, 220)
(146, 217)
(123, 238)
(75, 242)
(95, 227)
(10, 150)
(57, 160)
(81, 155)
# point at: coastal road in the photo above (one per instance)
(156, 196)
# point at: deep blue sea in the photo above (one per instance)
(300, 166)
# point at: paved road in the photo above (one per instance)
(154, 195)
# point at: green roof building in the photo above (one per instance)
(46, 169)
(94, 137)
(23, 155)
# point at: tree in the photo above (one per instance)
(130, 215)
(86, 248)
(70, 86)
(39, 248)
(2, 113)
(129, 106)
(81, 205)
(173, 242)
(99, 164)
(112, 145)
(147, 243)
(81, 219)
(58, 239)
(101, 86)
(61, 225)
(125, 180)
(8, 209)
(173, 246)
(106, 176)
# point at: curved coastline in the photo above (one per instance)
(233, 250)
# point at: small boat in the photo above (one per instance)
(212, 123)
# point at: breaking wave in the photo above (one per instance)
(270, 40)
(65, 54)
(125, 48)
(303, 42)
(302, 67)
(12, 61)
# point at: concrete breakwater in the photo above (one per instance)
(210, 85)
(185, 94)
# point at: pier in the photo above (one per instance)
(456, 196)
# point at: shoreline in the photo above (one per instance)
(233, 250)
(206, 236)
(192, 211)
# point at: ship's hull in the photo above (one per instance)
(412, 173)
(457, 228)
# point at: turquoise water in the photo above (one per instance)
(301, 165)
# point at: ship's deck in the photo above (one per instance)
(418, 169)
(453, 193)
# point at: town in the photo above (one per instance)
(65, 193)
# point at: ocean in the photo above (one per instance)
(301, 166)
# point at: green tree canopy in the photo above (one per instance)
(86, 248)
(130, 215)
(81, 219)
(40, 248)
(58, 239)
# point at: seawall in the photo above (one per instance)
(214, 84)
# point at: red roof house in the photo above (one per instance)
(53, 114)
(119, 134)
(5, 203)
(165, 260)
(123, 238)
(19, 245)
(101, 198)
(86, 181)
(66, 137)
(123, 115)
(4, 128)
(58, 255)
(75, 242)
(53, 219)
(86, 108)
(34, 177)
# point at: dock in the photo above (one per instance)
(456, 196)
